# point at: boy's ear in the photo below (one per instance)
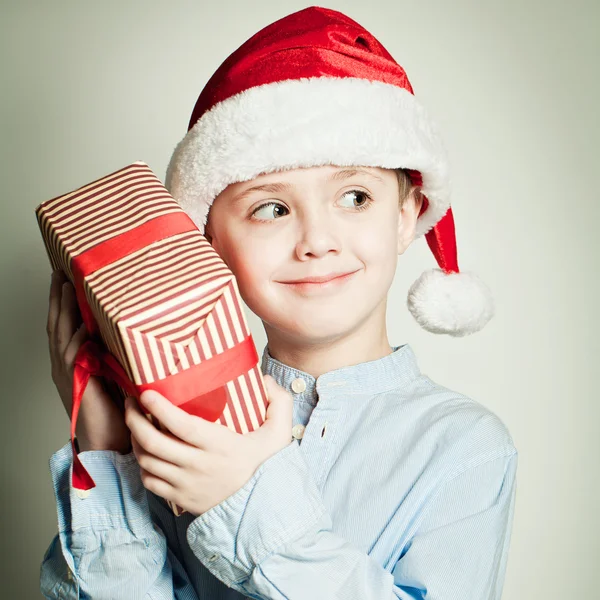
(209, 235)
(208, 232)
(407, 221)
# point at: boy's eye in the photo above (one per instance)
(355, 196)
(269, 211)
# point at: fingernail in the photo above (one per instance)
(147, 397)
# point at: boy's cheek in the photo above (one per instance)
(245, 268)
(250, 276)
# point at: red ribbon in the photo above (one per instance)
(118, 247)
(199, 390)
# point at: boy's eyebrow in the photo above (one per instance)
(346, 173)
(279, 187)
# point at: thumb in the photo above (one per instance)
(280, 408)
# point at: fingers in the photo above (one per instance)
(155, 442)
(156, 467)
(280, 410)
(64, 336)
(58, 277)
(73, 346)
(68, 318)
(194, 430)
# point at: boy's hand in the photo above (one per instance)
(200, 463)
(100, 423)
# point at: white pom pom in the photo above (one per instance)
(457, 303)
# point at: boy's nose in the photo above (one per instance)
(317, 238)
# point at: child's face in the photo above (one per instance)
(314, 222)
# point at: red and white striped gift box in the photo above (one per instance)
(161, 300)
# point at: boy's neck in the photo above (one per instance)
(318, 358)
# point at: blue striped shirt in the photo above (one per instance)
(393, 487)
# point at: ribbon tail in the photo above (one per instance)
(81, 479)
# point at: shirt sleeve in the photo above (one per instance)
(107, 546)
(273, 539)
(460, 548)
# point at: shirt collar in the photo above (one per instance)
(392, 371)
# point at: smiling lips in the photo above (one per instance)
(317, 281)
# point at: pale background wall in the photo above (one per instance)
(90, 87)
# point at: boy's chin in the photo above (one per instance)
(314, 330)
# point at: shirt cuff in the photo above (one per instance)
(117, 501)
(278, 504)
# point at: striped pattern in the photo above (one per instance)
(161, 309)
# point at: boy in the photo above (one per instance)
(310, 167)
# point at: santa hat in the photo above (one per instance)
(315, 88)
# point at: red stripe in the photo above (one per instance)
(243, 406)
(111, 250)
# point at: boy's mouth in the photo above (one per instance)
(320, 278)
(317, 282)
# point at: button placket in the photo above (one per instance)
(298, 386)
(317, 447)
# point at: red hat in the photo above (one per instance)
(315, 88)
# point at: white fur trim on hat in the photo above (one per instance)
(454, 303)
(308, 122)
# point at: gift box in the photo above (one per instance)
(162, 308)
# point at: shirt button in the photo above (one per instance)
(298, 431)
(82, 493)
(213, 557)
(298, 385)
